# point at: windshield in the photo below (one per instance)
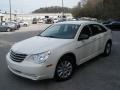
(62, 31)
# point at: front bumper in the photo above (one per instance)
(25, 75)
(30, 70)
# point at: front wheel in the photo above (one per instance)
(8, 29)
(64, 69)
(25, 25)
(107, 50)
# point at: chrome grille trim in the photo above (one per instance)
(17, 57)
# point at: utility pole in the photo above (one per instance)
(10, 9)
(62, 8)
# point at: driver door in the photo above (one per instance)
(84, 47)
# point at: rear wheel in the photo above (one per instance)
(107, 50)
(65, 68)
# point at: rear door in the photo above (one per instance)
(95, 37)
(102, 36)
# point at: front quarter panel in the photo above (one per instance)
(57, 53)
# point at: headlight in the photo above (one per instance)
(39, 58)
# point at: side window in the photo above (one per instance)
(103, 29)
(96, 29)
(85, 31)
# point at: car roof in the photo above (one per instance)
(78, 22)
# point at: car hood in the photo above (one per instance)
(3, 26)
(39, 44)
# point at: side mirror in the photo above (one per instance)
(83, 37)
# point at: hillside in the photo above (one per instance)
(55, 9)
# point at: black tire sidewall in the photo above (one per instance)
(105, 51)
(25, 25)
(66, 58)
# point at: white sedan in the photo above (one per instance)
(23, 24)
(59, 49)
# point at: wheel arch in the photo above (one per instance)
(69, 54)
(66, 54)
(8, 28)
(109, 40)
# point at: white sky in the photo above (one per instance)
(30, 5)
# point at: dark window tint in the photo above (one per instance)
(96, 29)
(86, 31)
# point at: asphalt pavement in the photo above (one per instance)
(100, 73)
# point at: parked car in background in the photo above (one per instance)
(7, 27)
(12, 25)
(61, 20)
(113, 25)
(23, 24)
(41, 20)
(34, 21)
(106, 22)
(55, 20)
(17, 24)
(59, 49)
(49, 21)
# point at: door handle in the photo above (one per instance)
(96, 38)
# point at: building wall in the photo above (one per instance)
(1, 17)
(31, 16)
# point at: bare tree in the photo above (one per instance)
(99, 9)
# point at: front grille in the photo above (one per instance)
(17, 57)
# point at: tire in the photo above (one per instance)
(64, 69)
(25, 25)
(8, 30)
(107, 50)
(18, 28)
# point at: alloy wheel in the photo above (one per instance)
(64, 69)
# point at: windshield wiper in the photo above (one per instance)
(50, 36)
